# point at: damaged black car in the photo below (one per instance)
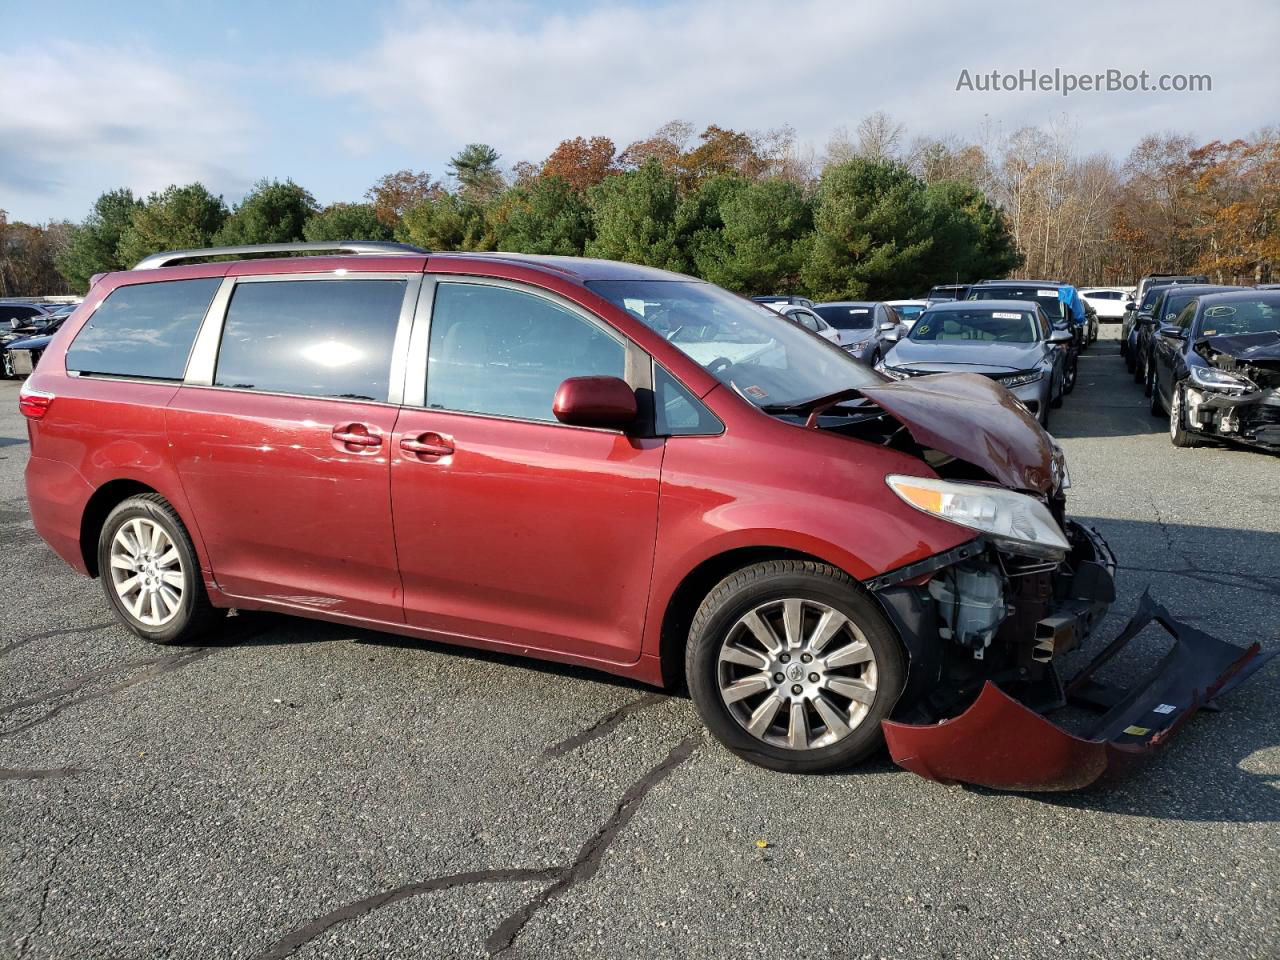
(1217, 370)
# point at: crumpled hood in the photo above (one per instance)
(1261, 349)
(990, 358)
(976, 420)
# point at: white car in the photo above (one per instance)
(804, 317)
(1107, 301)
(908, 311)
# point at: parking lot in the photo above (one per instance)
(309, 790)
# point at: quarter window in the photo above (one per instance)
(315, 338)
(143, 330)
(501, 352)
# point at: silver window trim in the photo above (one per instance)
(636, 370)
(203, 362)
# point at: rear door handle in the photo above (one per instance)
(356, 435)
(427, 445)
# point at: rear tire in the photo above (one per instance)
(150, 572)
(842, 667)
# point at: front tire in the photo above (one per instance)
(150, 572)
(792, 666)
(1179, 435)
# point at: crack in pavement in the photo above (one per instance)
(152, 669)
(290, 943)
(1253, 582)
(603, 726)
(63, 632)
(592, 852)
(584, 866)
(32, 773)
(25, 943)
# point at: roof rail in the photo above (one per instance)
(157, 260)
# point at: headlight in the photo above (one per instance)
(894, 373)
(1219, 379)
(1021, 379)
(1016, 522)
(858, 345)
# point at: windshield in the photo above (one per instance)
(847, 316)
(908, 311)
(975, 326)
(1242, 316)
(1047, 297)
(758, 354)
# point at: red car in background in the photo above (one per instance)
(584, 461)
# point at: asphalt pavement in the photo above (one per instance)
(308, 790)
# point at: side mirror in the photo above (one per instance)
(1061, 336)
(1172, 331)
(1130, 305)
(595, 402)
(886, 327)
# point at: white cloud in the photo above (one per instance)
(516, 76)
(114, 116)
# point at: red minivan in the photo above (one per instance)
(579, 460)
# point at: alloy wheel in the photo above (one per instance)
(146, 572)
(797, 673)
(1175, 413)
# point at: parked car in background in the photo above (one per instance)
(26, 320)
(1107, 302)
(1044, 294)
(1009, 341)
(1148, 281)
(1216, 369)
(1139, 312)
(867, 328)
(19, 357)
(944, 292)
(908, 311)
(1169, 302)
(17, 314)
(785, 299)
(804, 317)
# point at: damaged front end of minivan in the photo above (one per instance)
(1237, 396)
(987, 624)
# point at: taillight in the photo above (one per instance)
(33, 404)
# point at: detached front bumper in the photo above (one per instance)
(1001, 739)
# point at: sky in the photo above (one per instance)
(95, 96)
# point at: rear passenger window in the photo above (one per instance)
(505, 353)
(316, 338)
(143, 330)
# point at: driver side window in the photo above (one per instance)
(1187, 315)
(501, 352)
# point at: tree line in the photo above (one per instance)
(875, 215)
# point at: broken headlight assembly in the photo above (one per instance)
(1216, 379)
(1012, 521)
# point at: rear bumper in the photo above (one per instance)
(57, 495)
(1001, 743)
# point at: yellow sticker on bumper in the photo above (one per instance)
(1137, 731)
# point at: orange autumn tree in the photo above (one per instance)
(1235, 196)
(582, 163)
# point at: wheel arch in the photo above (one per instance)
(96, 509)
(693, 589)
